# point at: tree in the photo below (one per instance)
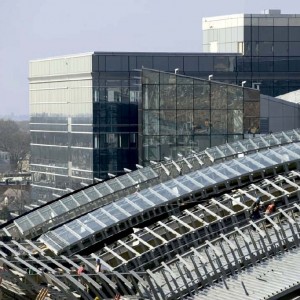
(17, 197)
(14, 140)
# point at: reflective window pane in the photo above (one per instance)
(167, 122)
(218, 121)
(184, 96)
(167, 96)
(218, 96)
(201, 95)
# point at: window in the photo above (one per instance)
(213, 46)
(241, 47)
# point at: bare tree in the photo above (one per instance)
(14, 140)
(17, 197)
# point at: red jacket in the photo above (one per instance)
(270, 208)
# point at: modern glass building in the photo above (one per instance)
(269, 44)
(83, 125)
(84, 113)
(181, 113)
(84, 108)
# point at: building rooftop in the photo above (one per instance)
(291, 97)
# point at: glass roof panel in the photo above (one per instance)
(81, 198)
(249, 145)
(148, 172)
(35, 218)
(91, 223)
(69, 202)
(103, 189)
(58, 208)
(137, 176)
(115, 212)
(142, 203)
(226, 149)
(225, 171)
(185, 180)
(52, 242)
(201, 178)
(238, 167)
(47, 212)
(271, 140)
(294, 147)
(78, 227)
(92, 193)
(127, 180)
(286, 154)
(151, 197)
(58, 240)
(261, 159)
(126, 205)
(261, 143)
(237, 146)
(273, 155)
(210, 172)
(176, 188)
(102, 216)
(23, 223)
(295, 135)
(162, 191)
(215, 153)
(66, 235)
(283, 138)
(248, 163)
(115, 185)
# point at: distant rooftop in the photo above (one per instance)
(291, 96)
(271, 12)
(266, 13)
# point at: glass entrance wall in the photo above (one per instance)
(181, 113)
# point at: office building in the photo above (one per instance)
(82, 124)
(84, 114)
(268, 44)
(84, 108)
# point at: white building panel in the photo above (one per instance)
(61, 65)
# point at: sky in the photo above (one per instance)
(32, 29)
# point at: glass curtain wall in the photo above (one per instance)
(272, 47)
(84, 115)
(181, 113)
(115, 114)
(268, 44)
(116, 91)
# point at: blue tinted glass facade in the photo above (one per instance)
(268, 44)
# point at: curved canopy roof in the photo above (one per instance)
(48, 215)
(161, 194)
